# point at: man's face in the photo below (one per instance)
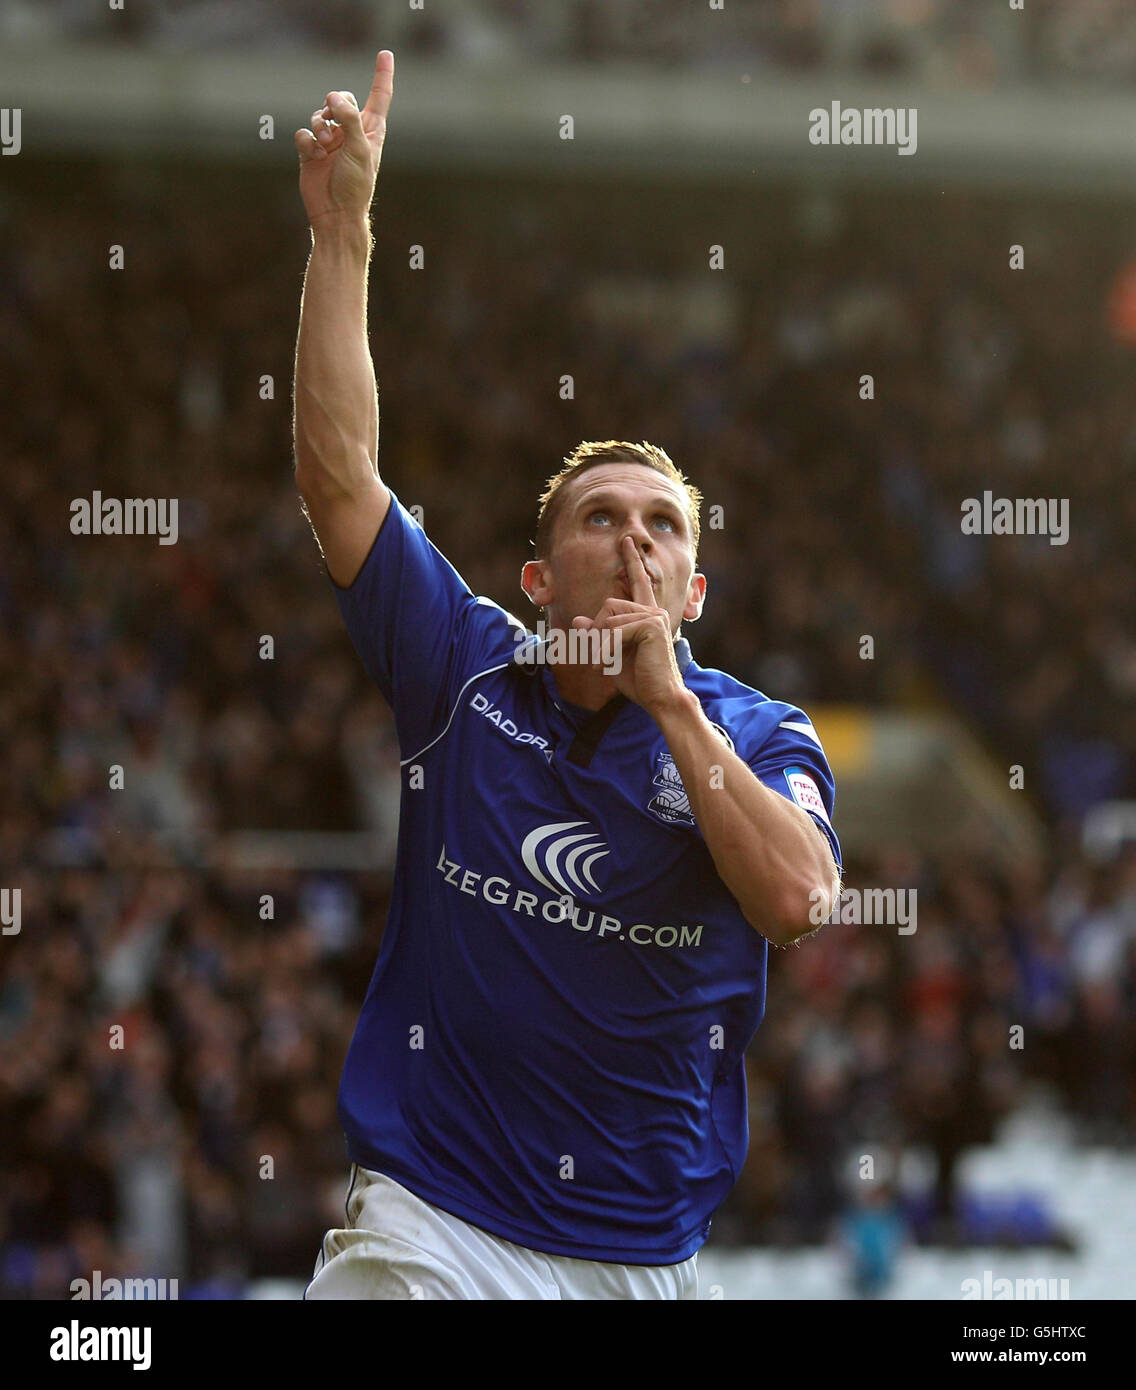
(585, 565)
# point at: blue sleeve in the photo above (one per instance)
(419, 631)
(785, 754)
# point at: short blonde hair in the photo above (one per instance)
(595, 452)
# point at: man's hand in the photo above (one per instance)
(339, 156)
(649, 673)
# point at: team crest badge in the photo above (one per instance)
(671, 802)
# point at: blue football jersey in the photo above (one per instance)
(552, 1044)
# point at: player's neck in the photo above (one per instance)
(583, 685)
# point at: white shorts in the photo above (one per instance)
(396, 1246)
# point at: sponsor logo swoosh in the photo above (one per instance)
(553, 855)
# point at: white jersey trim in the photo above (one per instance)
(799, 728)
(487, 672)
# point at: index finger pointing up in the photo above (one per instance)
(382, 85)
(638, 580)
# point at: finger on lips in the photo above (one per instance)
(622, 606)
(638, 578)
(623, 619)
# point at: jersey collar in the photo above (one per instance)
(591, 725)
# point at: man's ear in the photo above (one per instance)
(696, 597)
(534, 583)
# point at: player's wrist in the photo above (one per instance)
(342, 225)
(677, 706)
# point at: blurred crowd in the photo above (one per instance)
(205, 1146)
(875, 1043)
(949, 43)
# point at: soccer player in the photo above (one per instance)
(545, 1093)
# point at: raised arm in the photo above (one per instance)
(335, 423)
